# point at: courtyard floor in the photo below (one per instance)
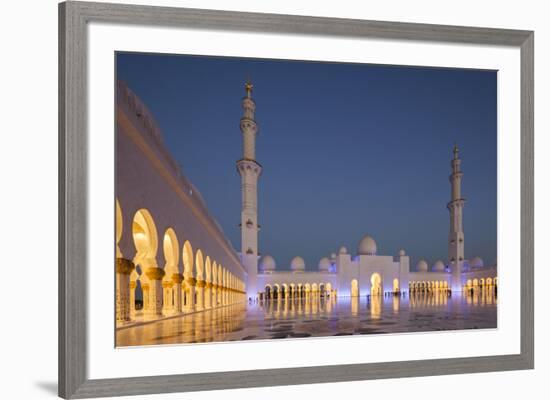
(299, 318)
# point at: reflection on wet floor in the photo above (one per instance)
(315, 316)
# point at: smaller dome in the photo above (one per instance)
(367, 246)
(297, 264)
(438, 266)
(333, 256)
(343, 250)
(422, 266)
(476, 262)
(267, 263)
(324, 264)
(402, 252)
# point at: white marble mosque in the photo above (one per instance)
(175, 268)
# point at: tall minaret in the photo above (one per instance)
(249, 170)
(456, 233)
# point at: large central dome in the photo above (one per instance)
(367, 246)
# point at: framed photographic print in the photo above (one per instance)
(283, 200)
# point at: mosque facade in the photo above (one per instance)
(173, 258)
(345, 274)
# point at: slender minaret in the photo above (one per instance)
(456, 233)
(249, 170)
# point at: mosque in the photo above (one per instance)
(196, 268)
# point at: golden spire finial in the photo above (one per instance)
(248, 86)
(455, 151)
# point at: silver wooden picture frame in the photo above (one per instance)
(73, 196)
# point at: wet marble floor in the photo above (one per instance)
(299, 318)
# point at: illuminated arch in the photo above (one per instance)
(199, 264)
(396, 285)
(214, 273)
(285, 291)
(276, 291)
(376, 284)
(208, 269)
(144, 233)
(188, 259)
(170, 248)
(118, 228)
(354, 288)
(268, 290)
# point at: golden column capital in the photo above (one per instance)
(201, 283)
(177, 278)
(155, 274)
(191, 281)
(124, 266)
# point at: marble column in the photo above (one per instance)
(167, 305)
(200, 294)
(190, 283)
(177, 279)
(208, 295)
(154, 299)
(124, 268)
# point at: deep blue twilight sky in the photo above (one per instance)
(347, 149)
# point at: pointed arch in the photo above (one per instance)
(118, 228)
(170, 248)
(144, 233)
(188, 259)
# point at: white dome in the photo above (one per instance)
(343, 250)
(333, 256)
(297, 264)
(402, 252)
(476, 262)
(267, 263)
(438, 266)
(367, 246)
(324, 264)
(422, 266)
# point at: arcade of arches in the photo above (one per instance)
(189, 281)
(297, 290)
